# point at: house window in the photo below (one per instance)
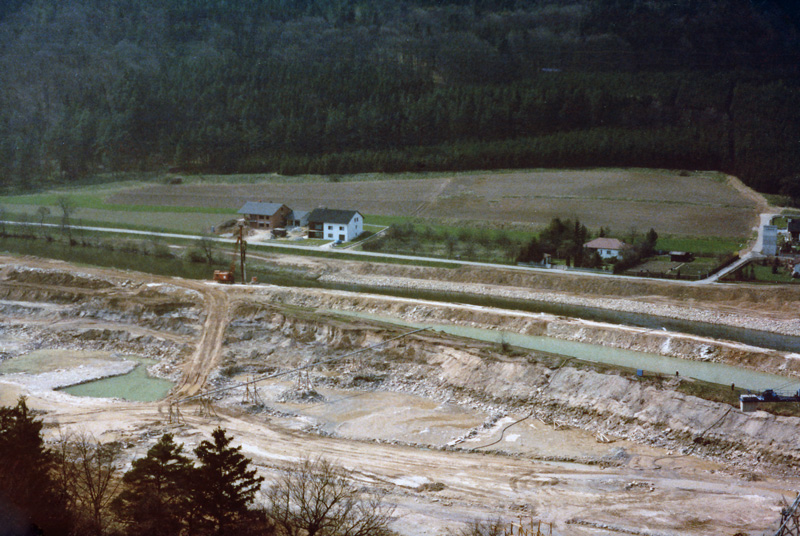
(341, 227)
(330, 235)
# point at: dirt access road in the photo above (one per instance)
(206, 356)
(620, 488)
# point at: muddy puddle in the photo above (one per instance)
(381, 415)
(407, 418)
(654, 363)
(86, 373)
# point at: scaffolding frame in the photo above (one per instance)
(790, 520)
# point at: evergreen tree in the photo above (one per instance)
(155, 500)
(649, 245)
(790, 187)
(532, 252)
(26, 483)
(223, 485)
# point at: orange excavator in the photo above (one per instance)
(229, 276)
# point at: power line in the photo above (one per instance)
(284, 373)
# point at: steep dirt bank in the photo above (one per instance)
(152, 305)
(59, 308)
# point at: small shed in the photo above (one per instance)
(681, 256)
(793, 226)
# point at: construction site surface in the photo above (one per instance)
(450, 428)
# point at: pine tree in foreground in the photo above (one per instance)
(155, 501)
(30, 498)
(223, 485)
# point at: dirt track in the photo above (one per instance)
(634, 485)
(206, 356)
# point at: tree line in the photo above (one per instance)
(565, 239)
(75, 488)
(562, 239)
(341, 86)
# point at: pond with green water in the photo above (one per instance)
(135, 386)
(55, 367)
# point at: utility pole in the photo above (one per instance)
(242, 252)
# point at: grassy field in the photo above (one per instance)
(518, 202)
(616, 199)
(762, 272)
(700, 244)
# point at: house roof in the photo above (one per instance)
(260, 209)
(605, 243)
(330, 215)
(298, 214)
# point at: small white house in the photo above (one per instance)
(332, 224)
(607, 248)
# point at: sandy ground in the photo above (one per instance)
(583, 482)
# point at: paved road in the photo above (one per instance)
(755, 252)
(318, 248)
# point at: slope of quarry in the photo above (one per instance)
(450, 428)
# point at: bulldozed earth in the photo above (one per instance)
(450, 428)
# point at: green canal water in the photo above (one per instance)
(654, 363)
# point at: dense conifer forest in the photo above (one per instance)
(339, 86)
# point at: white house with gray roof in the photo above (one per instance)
(332, 224)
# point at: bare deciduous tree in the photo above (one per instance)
(88, 470)
(317, 498)
(42, 212)
(489, 527)
(67, 207)
(205, 245)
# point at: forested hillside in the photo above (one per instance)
(335, 86)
